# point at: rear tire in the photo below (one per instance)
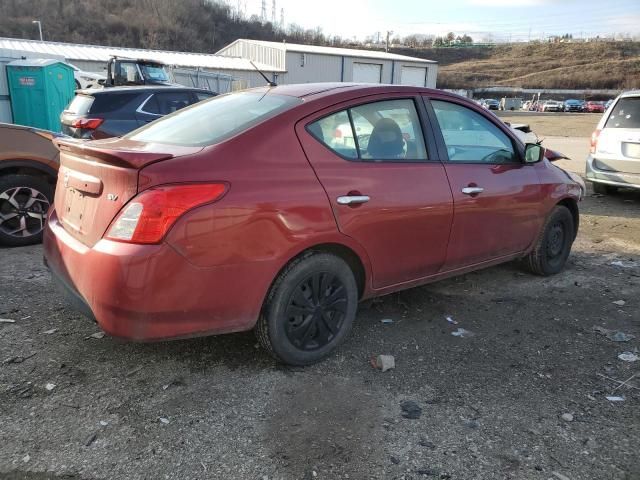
(24, 202)
(604, 189)
(309, 310)
(553, 246)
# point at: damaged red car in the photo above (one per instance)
(279, 209)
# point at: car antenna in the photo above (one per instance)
(269, 82)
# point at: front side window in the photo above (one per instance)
(215, 120)
(381, 131)
(470, 137)
(127, 73)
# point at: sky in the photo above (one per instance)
(504, 20)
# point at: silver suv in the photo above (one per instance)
(614, 160)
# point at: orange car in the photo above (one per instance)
(28, 171)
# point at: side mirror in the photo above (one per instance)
(533, 153)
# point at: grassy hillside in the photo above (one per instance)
(541, 65)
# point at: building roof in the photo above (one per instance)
(342, 52)
(35, 62)
(100, 53)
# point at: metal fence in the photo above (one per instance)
(216, 82)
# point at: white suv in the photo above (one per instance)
(614, 160)
(86, 80)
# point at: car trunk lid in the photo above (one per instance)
(618, 149)
(97, 178)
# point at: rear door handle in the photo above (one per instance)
(353, 199)
(472, 190)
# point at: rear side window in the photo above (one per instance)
(625, 114)
(80, 105)
(109, 102)
(470, 137)
(380, 131)
(211, 122)
(167, 102)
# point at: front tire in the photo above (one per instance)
(550, 253)
(24, 202)
(309, 310)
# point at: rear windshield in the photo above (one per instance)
(80, 105)
(214, 120)
(111, 102)
(625, 114)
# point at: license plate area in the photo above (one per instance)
(74, 206)
(631, 149)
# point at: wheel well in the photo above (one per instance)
(345, 253)
(27, 170)
(572, 205)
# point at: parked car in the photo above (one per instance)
(242, 212)
(86, 80)
(595, 107)
(552, 106)
(573, 105)
(28, 171)
(491, 104)
(112, 112)
(510, 103)
(614, 160)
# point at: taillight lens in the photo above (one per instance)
(150, 215)
(594, 140)
(87, 123)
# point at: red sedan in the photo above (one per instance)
(595, 107)
(280, 208)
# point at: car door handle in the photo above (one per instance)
(472, 190)
(353, 199)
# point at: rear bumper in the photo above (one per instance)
(616, 179)
(151, 292)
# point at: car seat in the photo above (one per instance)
(386, 140)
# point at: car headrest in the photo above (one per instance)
(386, 140)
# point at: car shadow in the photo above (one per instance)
(624, 203)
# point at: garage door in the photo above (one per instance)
(367, 72)
(415, 76)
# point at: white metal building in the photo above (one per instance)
(93, 58)
(309, 63)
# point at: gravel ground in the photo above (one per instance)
(523, 397)
(555, 124)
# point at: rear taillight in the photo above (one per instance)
(594, 140)
(151, 214)
(87, 123)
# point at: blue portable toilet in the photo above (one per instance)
(40, 89)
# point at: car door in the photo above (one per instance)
(496, 196)
(386, 188)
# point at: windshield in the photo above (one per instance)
(154, 72)
(215, 120)
(80, 105)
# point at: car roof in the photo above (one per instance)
(140, 89)
(317, 90)
(630, 93)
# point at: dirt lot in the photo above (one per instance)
(556, 124)
(489, 406)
